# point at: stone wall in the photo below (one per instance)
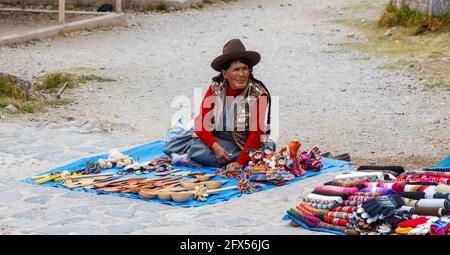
(431, 7)
(126, 4)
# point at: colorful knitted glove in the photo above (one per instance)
(384, 205)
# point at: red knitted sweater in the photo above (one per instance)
(254, 138)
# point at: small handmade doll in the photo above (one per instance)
(270, 160)
(281, 163)
(255, 158)
(267, 148)
(284, 152)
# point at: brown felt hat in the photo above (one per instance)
(232, 50)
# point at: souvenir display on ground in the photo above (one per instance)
(144, 174)
(379, 200)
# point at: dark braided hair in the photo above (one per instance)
(219, 78)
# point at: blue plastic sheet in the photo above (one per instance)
(444, 163)
(153, 150)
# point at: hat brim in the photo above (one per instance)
(252, 56)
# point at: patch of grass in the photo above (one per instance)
(59, 102)
(91, 77)
(400, 43)
(9, 90)
(48, 84)
(161, 7)
(33, 105)
(208, 1)
(430, 52)
(396, 65)
(23, 106)
(51, 83)
(439, 85)
(406, 17)
(198, 6)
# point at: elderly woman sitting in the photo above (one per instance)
(232, 114)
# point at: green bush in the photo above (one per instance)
(9, 90)
(406, 17)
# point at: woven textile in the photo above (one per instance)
(331, 226)
(394, 186)
(335, 190)
(335, 221)
(340, 215)
(324, 198)
(347, 209)
(382, 191)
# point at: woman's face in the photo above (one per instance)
(237, 75)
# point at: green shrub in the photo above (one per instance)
(9, 90)
(406, 17)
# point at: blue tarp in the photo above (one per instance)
(444, 163)
(153, 150)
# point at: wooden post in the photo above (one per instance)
(430, 8)
(118, 6)
(22, 4)
(61, 11)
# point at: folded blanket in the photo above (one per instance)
(367, 194)
(325, 198)
(406, 209)
(413, 222)
(295, 214)
(335, 221)
(331, 227)
(314, 210)
(375, 176)
(353, 183)
(335, 191)
(352, 202)
(310, 211)
(442, 195)
(423, 229)
(433, 203)
(410, 202)
(346, 209)
(359, 198)
(389, 185)
(438, 212)
(412, 195)
(419, 188)
(425, 177)
(419, 183)
(320, 204)
(443, 188)
(382, 191)
(340, 215)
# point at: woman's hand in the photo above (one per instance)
(223, 157)
(234, 165)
